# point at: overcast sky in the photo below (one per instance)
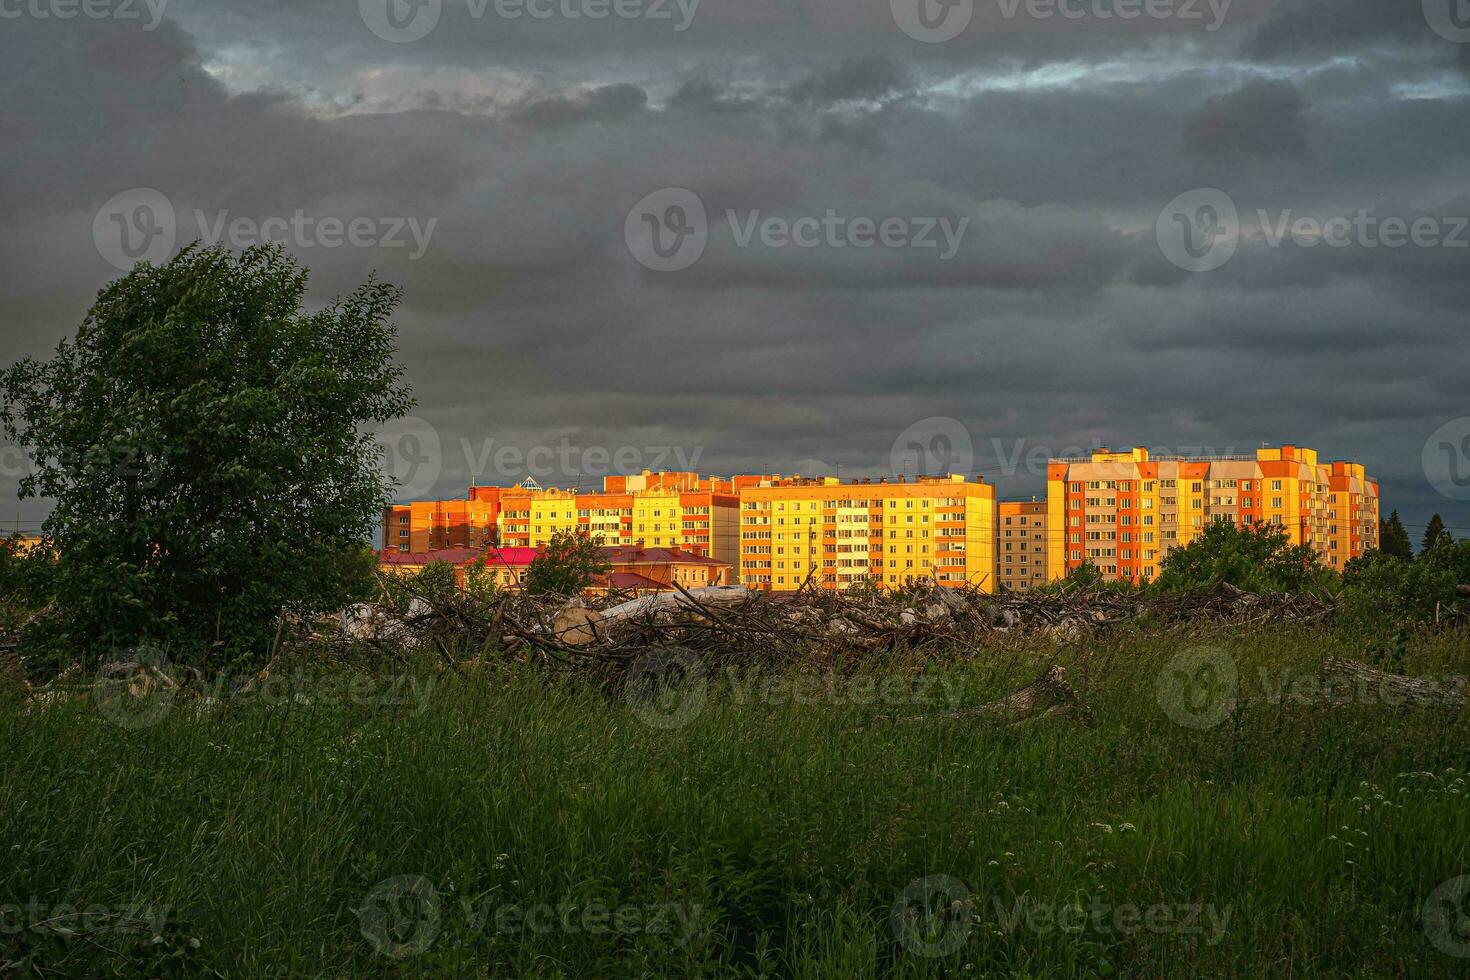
(1029, 227)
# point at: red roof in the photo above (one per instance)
(455, 556)
(632, 555)
(631, 581)
(511, 557)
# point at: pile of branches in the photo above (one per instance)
(756, 627)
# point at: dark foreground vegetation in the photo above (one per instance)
(511, 821)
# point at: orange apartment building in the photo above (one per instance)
(841, 535)
(441, 525)
(1123, 511)
(658, 510)
(1020, 544)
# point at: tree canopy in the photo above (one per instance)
(206, 443)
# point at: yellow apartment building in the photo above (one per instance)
(840, 535)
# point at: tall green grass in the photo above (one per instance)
(758, 839)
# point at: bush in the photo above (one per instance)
(1252, 557)
(568, 564)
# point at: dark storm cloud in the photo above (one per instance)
(1056, 321)
(1260, 119)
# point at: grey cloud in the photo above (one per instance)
(1260, 119)
(1056, 323)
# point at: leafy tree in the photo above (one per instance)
(1253, 557)
(1084, 575)
(204, 440)
(479, 583)
(438, 578)
(569, 563)
(1393, 540)
(1381, 593)
(1433, 534)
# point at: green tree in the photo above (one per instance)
(204, 440)
(1393, 540)
(1253, 557)
(1433, 534)
(569, 563)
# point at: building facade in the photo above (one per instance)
(1021, 544)
(841, 535)
(657, 510)
(1124, 511)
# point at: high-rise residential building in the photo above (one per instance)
(1021, 544)
(658, 510)
(1123, 511)
(438, 525)
(840, 535)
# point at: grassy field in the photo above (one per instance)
(513, 824)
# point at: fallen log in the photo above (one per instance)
(1372, 685)
(695, 600)
(1049, 696)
